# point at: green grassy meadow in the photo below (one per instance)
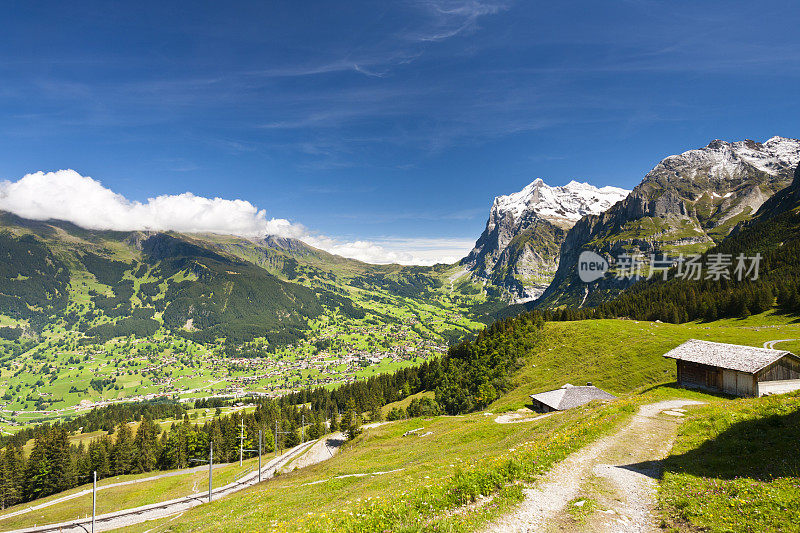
(735, 467)
(621, 356)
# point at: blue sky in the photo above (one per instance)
(389, 123)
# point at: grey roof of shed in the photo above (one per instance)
(570, 396)
(730, 356)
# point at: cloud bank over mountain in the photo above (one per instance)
(82, 200)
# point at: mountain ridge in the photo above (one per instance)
(685, 204)
(518, 249)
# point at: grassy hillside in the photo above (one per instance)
(621, 356)
(736, 467)
(148, 489)
(383, 480)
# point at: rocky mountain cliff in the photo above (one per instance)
(685, 204)
(518, 250)
(787, 199)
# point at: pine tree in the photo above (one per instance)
(12, 471)
(123, 454)
(49, 468)
(147, 446)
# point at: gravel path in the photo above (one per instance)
(616, 472)
(771, 344)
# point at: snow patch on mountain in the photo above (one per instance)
(540, 215)
(569, 202)
(731, 160)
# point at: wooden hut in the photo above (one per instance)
(734, 369)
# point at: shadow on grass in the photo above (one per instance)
(673, 385)
(762, 448)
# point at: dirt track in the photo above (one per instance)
(616, 476)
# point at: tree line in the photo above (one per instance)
(55, 464)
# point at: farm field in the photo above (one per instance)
(58, 378)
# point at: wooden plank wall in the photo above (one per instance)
(785, 368)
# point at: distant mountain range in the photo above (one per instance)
(206, 286)
(686, 204)
(106, 284)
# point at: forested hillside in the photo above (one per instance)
(202, 286)
(53, 464)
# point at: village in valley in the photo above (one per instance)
(73, 378)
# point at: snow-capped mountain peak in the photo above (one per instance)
(727, 160)
(567, 203)
(540, 215)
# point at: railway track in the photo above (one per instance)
(127, 517)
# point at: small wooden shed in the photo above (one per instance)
(735, 369)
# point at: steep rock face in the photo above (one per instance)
(684, 205)
(518, 250)
(784, 200)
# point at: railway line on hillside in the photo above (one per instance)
(128, 517)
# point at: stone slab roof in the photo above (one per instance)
(570, 396)
(730, 356)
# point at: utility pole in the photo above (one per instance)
(241, 442)
(303, 428)
(259, 455)
(276, 436)
(94, 497)
(210, 462)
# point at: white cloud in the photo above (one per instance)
(66, 195)
(449, 18)
(409, 251)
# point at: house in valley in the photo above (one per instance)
(734, 369)
(567, 397)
